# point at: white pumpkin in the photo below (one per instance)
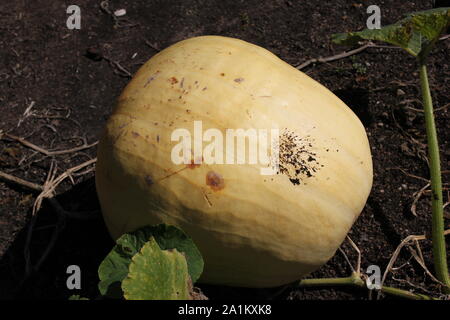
(253, 230)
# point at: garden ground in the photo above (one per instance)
(58, 86)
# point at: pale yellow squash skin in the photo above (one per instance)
(256, 231)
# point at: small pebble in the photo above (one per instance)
(120, 12)
(400, 92)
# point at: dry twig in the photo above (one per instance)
(47, 152)
(419, 258)
(30, 185)
(153, 46)
(358, 263)
(335, 57)
(417, 195)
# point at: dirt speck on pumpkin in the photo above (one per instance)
(215, 181)
(297, 157)
(173, 80)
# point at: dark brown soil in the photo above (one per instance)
(73, 78)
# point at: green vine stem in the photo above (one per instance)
(356, 281)
(439, 249)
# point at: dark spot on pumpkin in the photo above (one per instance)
(157, 138)
(222, 74)
(194, 165)
(135, 134)
(239, 80)
(173, 80)
(148, 180)
(182, 83)
(215, 181)
(204, 88)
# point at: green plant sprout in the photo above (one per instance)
(416, 34)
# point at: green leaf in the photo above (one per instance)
(416, 33)
(170, 237)
(156, 274)
(77, 297)
(114, 267)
